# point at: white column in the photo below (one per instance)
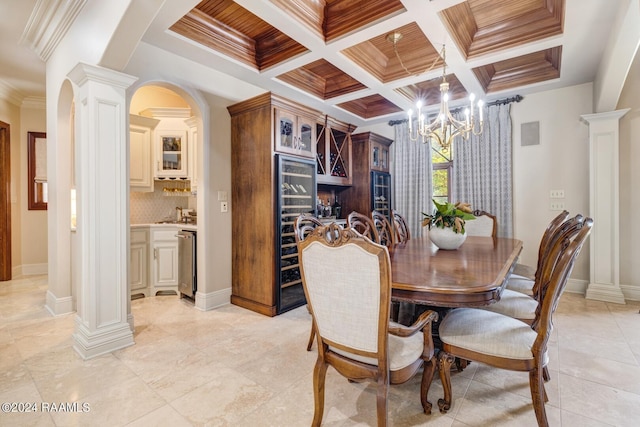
(102, 210)
(604, 206)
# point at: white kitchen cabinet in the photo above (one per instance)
(165, 260)
(172, 154)
(171, 148)
(141, 152)
(139, 262)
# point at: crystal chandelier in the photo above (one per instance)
(444, 127)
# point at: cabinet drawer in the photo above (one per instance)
(165, 235)
(139, 236)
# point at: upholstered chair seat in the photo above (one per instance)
(515, 304)
(520, 284)
(490, 334)
(403, 351)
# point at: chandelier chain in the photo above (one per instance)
(441, 54)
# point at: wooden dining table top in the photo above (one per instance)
(470, 276)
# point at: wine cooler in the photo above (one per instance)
(381, 193)
(296, 190)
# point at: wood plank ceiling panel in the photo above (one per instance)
(322, 79)
(227, 27)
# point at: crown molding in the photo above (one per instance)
(34, 102)
(10, 94)
(49, 22)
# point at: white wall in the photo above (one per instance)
(629, 188)
(559, 162)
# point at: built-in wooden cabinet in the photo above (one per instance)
(141, 131)
(333, 152)
(270, 187)
(295, 133)
(371, 187)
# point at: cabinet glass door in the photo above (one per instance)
(294, 134)
(296, 194)
(172, 154)
(381, 193)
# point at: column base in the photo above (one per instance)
(59, 306)
(607, 293)
(89, 344)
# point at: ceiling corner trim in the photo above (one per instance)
(48, 23)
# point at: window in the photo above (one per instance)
(441, 176)
(37, 170)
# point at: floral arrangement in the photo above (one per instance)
(449, 215)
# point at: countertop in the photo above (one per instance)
(176, 225)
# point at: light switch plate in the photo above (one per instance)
(222, 196)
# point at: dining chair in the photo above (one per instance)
(485, 224)
(304, 224)
(523, 277)
(364, 225)
(386, 235)
(400, 227)
(347, 281)
(503, 342)
(522, 306)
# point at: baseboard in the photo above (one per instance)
(605, 292)
(211, 300)
(576, 286)
(59, 306)
(631, 293)
(29, 270)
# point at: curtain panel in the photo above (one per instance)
(482, 169)
(411, 177)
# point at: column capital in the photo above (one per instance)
(607, 115)
(83, 73)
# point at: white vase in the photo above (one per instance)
(446, 238)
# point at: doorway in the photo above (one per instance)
(5, 202)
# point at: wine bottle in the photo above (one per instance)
(336, 209)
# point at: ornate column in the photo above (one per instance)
(102, 210)
(604, 206)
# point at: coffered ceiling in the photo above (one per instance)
(342, 52)
(338, 56)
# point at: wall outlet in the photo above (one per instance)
(556, 194)
(556, 206)
(224, 207)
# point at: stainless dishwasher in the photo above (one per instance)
(187, 283)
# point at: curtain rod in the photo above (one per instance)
(503, 101)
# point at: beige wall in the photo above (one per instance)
(559, 162)
(34, 223)
(630, 184)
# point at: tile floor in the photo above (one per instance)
(232, 367)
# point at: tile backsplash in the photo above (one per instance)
(147, 208)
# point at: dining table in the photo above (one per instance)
(471, 276)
